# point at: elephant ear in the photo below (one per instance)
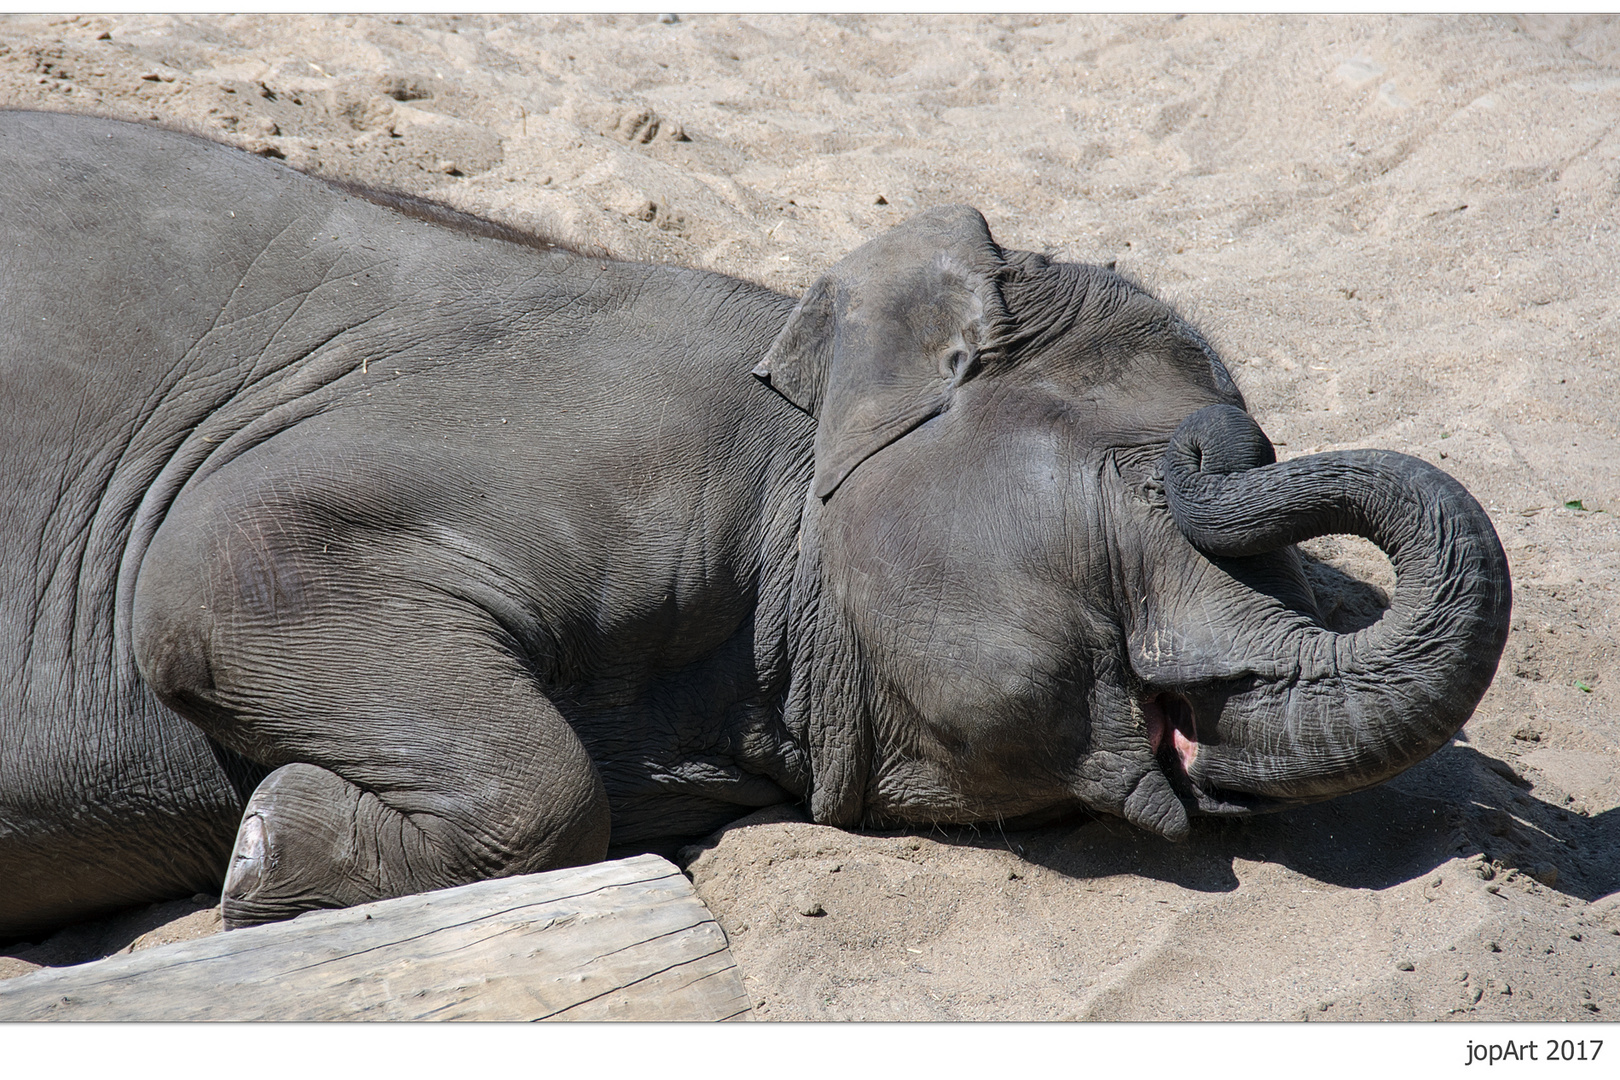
(884, 339)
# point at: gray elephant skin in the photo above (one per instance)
(354, 547)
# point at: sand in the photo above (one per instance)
(1400, 232)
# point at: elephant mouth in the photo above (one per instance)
(1172, 731)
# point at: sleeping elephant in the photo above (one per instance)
(354, 547)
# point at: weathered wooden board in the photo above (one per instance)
(626, 940)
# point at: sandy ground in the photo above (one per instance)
(1401, 232)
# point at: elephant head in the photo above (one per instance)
(1045, 559)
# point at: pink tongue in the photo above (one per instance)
(1169, 715)
(1186, 749)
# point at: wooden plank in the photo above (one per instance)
(625, 940)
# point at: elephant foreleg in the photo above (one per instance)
(311, 839)
(428, 801)
(411, 750)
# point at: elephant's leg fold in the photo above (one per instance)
(417, 801)
(410, 751)
(312, 839)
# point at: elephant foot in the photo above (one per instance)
(309, 839)
(242, 879)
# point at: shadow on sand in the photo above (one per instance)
(1460, 803)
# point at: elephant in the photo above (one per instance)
(354, 546)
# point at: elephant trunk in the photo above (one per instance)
(1338, 712)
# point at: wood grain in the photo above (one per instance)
(625, 940)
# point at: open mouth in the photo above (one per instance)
(1172, 732)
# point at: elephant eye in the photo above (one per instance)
(957, 365)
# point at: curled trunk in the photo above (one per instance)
(1351, 709)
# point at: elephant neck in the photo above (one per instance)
(825, 707)
(776, 614)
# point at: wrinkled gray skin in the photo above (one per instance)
(400, 554)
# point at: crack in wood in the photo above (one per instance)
(636, 982)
